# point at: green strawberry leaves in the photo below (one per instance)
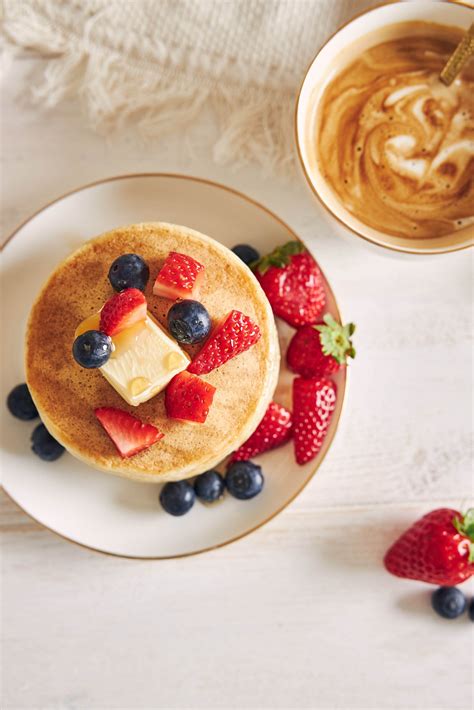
(280, 257)
(336, 339)
(465, 526)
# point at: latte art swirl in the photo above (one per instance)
(395, 144)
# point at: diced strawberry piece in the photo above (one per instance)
(180, 277)
(274, 430)
(123, 310)
(233, 336)
(128, 433)
(188, 397)
(314, 402)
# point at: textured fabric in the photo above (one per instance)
(158, 62)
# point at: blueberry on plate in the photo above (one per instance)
(189, 322)
(20, 403)
(470, 610)
(92, 349)
(44, 445)
(449, 602)
(246, 253)
(244, 479)
(209, 486)
(129, 271)
(177, 497)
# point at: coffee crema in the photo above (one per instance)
(394, 143)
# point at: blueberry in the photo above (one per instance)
(470, 610)
(246, 253)
(177, 497)
(44, 445)
(92, 349)
(449, 602)
(129, 271)
(189, 322)
(244, 479)
(20, 404)
(209, 486)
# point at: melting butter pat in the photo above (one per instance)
(142, 365)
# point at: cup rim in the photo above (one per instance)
(298, 140)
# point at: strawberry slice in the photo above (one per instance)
(314, 402)
(188, 397)
(274, 430)
(123, 310)
(293, 284)
(128, 433)
(179, 277)
(235, 334)
(315, 351)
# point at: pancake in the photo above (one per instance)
(67, 394)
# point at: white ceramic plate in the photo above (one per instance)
(86, 506)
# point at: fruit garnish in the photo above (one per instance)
(314, 401)
(318, 350)
(20, 403)
(129, 271)
(244, 479)
(128, 433)
(449, 602)
(189, 322)
(179, 277)
(189, 398)
(246, 253)
(177, 497)
(209, 486)
(235, 334)
(293, 284)
(274, 430)
(92, 349)
(437, 549)
(122, 311)
(44, 445)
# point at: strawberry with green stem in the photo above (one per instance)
(315, 351)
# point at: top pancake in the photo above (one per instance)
(67, 394)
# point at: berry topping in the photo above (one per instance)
(274, 430)
(315, 351)
(314, 402)
(449, 602)
(123, 310)
(177, 497)
(247, 253)
(129, 271)
(209, 486)
(437, 549)
(189, 322)
(235, 334)
(180, 277)
(92, 349)
(20, 403)
(128, 433)
(188, 397)
(244, 479)
(293, 284)
(44, 445)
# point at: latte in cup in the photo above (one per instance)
(392, 142)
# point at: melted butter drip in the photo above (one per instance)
(138, 385)
(90, 323)
(395, 144)
(173, 360)
(127, 339)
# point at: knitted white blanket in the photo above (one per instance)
(157, 63)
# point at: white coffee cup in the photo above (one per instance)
(364, 28)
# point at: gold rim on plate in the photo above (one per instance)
(298, 141)
(341, 390)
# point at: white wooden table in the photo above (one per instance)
(301, 614)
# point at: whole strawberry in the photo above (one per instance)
(274, 430)
(293, 284)
(436, 549)
(315, 351)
